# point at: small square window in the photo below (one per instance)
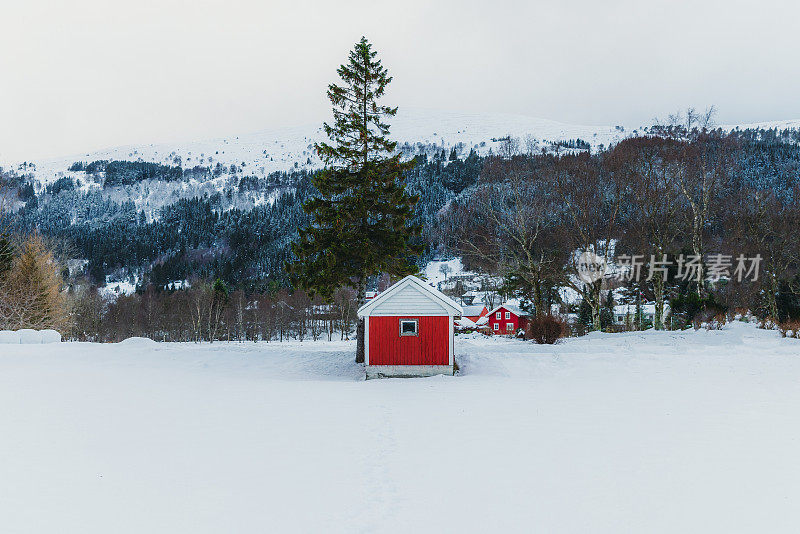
(497, 315)
(509, 326)
(409, 327)
(508, 315)
(496, 326)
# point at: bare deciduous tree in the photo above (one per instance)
(511, 230)
(592, 198)
(651, 166)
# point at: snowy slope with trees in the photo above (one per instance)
(638, 432)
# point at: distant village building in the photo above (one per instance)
(474, 312)
(507, 319)
(409, 331)
(468, 298)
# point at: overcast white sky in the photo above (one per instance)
(88, 74)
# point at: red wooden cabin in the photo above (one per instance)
(409, 331)
(507, 319)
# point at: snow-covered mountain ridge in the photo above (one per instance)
(416, 130)
(283, 149)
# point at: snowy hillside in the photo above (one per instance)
(288, 148)
(641, 432)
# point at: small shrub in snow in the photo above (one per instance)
(710, 319)
(717, 322)
(790, 329)
(739, 314)
(546, 329)
(768, 323)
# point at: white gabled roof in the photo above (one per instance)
(434, 294)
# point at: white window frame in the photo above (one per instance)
(508, 315)
(509, 327)
(496, 326)
(416, 327)
(498, 315)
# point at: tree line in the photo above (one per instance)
(682, 189)
(208, 312)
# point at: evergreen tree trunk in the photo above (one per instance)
(360, 344)
(538, 300)
(361, 287)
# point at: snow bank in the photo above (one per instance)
(137, 342)
(9, 336)
(50, 336)
(29, 337)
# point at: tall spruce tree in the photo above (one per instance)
(361, 212)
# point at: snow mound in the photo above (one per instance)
(50, 336)
(9, 337)
(137, 342)
(29, 336)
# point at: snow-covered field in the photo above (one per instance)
(653, 432)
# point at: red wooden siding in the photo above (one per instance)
(388, 347)
(517, 322)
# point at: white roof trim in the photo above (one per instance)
(436, 295)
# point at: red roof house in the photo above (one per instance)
(409, 331)
(508, 319)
